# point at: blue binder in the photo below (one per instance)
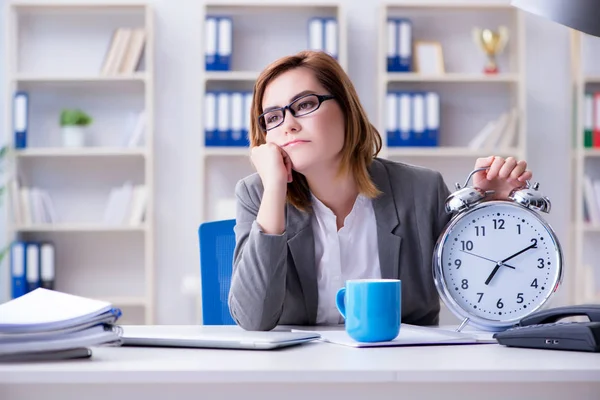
(20, 118)
(18, 261)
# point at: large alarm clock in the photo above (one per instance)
(496, 261)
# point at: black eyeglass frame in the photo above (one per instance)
(320, 97)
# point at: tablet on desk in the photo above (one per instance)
(216, 337)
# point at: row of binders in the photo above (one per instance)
(32, 265)
(399, 45)
(124, 52)
(126, 205)
(227, 118)
(31, 205)
(218, 35)
(323, 35)
(413, 118)
(45, 325)
(591, 120)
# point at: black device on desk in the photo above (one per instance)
(542, 330)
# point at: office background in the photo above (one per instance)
(178, 97)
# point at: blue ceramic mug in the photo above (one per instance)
(371, 308)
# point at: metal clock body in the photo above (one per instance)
(496, 261)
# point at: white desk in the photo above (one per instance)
(310, 371)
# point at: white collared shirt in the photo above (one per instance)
(350, 253)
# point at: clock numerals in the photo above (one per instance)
(498, 223)
(534, 241)
(458, 263)
(480, 297)
(480, 231)
(534, 284)
(518, 229)
(540, 263)
(500, 304)
(520, 298)
(466, 245)
(464, 284)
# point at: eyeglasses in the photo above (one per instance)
(301, 106)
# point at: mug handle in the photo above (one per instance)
(340, 301)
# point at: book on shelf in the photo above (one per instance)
(124, 52)
(591, 200)
(31, 205)
(126, 205)
(500, 133)
(47, 324)
(137, 130)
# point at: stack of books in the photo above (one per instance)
(50, 325)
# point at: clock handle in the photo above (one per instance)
(474, 172)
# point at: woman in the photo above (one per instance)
(322, 208)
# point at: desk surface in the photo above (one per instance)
(313, 362)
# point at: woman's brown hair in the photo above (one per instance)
(362, 141)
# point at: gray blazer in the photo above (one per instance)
(274, 276)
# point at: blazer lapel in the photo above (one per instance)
(302, 247)
(386, 215)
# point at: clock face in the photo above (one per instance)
(499, 262)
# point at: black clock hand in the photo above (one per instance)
(489, 259)
(496, 268)
(519, 252)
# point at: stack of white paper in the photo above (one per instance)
(410, 335)
(45, 324)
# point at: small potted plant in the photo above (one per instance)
(73, 123)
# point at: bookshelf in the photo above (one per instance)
(583, 276)
(79, 180)
(262, 32)
(469, 98)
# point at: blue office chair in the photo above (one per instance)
(217, 242)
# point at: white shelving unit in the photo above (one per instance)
(262, 32)
(583, 276)
(55, 54)
(469, 99)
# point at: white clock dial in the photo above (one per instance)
(500, 262)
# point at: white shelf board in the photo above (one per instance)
(590, 152)
(81, 152)
(248, 76)
(73, 5)
(79, 228)
(589, 227)
(454, 4)
(226, 151)
(442, 151)
(125, 301)
(452, 77)
(135, 77)
(272, 3)
(591, 79)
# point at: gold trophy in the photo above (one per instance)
(492, 43)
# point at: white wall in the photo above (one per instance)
(178, 123)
